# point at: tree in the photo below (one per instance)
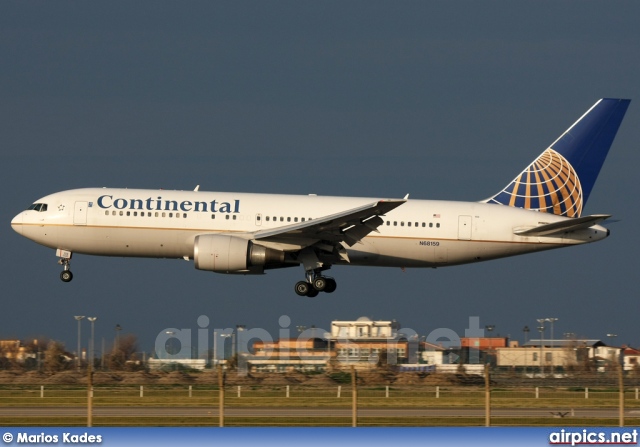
(124, 354)
(55, 357)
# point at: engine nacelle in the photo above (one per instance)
(229, 254)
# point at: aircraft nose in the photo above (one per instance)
(16, 223)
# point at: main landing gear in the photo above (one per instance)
(315, 284)
(65, 260)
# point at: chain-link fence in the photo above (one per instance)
(410, 399)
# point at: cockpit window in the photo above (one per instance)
(40, 207)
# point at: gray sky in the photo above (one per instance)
(442, 100)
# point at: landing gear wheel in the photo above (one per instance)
(320, 283)
(331, 285)
(302, 288)
(66, 275)
(312, 293)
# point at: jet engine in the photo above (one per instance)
(229, 254)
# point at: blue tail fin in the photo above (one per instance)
(560, 180)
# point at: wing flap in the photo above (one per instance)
(348, 226)
(563, 226)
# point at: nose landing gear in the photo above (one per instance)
(65, 258)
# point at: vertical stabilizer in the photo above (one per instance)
(560, 180)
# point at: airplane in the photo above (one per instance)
(243, 233)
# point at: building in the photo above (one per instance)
(631, 359)
(170, 364)
(552, 354)
(288, 354)
(364, 343)
(479, 350)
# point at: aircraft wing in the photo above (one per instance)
(348, 226)
(563, 226)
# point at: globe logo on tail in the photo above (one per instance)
(550, 185)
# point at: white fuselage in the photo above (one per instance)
(164, 224)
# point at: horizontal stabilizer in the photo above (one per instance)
(564, 226)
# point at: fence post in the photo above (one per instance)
(386, 391)
(586, 393)
(287, 391)
(621, 392)
(487, 396)
(354, 397)
(537, 392)
(636, 393)
(339, 389)
(220, 396)
(239, 392)
(42, 392)
(141, 391)
(190, 391)
(89, 395)
(438, 392)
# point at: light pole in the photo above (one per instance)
(223, 350)
(90, 376)
(78, 317)
(239, 328)
(541, 329)
(170, 334)
(116, 346)
(490, 328)
(92, 346)
(551, 320)
(611, 337)
(215, 347)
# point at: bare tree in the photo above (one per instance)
(123, 356)
(55, 357)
